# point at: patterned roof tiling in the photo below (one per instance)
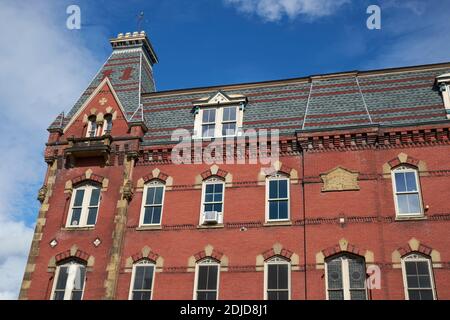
(58, 122)
(389, 97)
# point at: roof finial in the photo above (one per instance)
(139, 20)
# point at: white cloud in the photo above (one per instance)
(275, 10)
(44, 67)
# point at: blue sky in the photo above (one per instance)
(44, 67)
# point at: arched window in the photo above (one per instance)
(107, 124)
(92, 127)
(277, 198)
(84, 206)
(69, 281)
(277, 279)
(418, 277)
(152, 203)
(142, 280)
(213, 191)
(408, 200)
(346, 277)
(207, 280)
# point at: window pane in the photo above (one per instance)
(412, 281)
(141, 295)
(229, 129)
(411, 268)
(283, 276)
(138, 278)
(212, 277)
(209, 188)
(95, 197)
(76, 214)
(358, 295)
(272, 295)
(283, 209)
(273, 189)
(92, 216)
(158, 195)
(209, 207)
(414, 295)
(77, 294)
(202, 277)
(208, 130)
(206, 295)
(272, 273)
(79, 195)
(426, 294)
(150, 196)
(357, 273)
(411, 184)
(273, 210)
(152, 215)
(218, 187)
(424, 282)
(79, 278)
(283, 295)
(148, 277)
(282, 185)
(414, 203)
(334, 272)
(336, 295)
(217, 207)
(400, 182)
(59, 295)
(402, 202)
(422, 268)
(62, 278)
(209, 115)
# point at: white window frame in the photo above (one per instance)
(206, 261)
(278, 176)
(72, 265)
(89, 128)
(106, 123)
(141, 263)
(415, 257)
(402, 169)
(85, 206)
(345, 277)
(198, 123)
(153, 183)
(271, 261)
(212, 180)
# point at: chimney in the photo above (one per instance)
(135, 40)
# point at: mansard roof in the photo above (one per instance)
(401, 96)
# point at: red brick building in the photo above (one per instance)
(353, 204)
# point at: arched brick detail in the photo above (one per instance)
(160, 176)
(342, 247)
(415, 246)
(152, 256)
(285, 253)
(84, 256)
(156, 174)
(404, 159)
(278, 167)
(87, 176)
(72, 253)
(93, 178)
(208, 174)
(214, 171)
(208, 252)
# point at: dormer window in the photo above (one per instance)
(443, 81)
(219, 116)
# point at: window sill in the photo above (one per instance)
(149, 228)
(411, 218)
(77, 228)
(211, 226)
(277, 223)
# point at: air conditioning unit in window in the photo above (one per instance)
(210, 217)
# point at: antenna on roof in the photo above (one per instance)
(140, 17)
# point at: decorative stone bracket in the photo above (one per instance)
(42, 193)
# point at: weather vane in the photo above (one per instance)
(139, 20)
